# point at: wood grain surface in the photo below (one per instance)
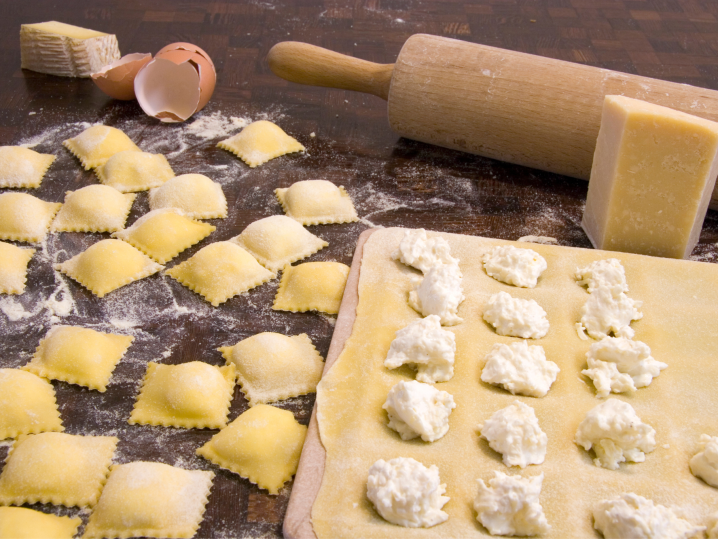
(393, 181)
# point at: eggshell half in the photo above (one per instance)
(117, 79)
(187, 52)
(168, 91)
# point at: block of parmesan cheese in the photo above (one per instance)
(653, 173)
(65, 50)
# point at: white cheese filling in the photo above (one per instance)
(520, 369)
(439, 293)
(423, 253)
(417, 409)
(514, 265)
(515, 433)
(608, 273)
(605, 314)
(704, 464)
(515, 317)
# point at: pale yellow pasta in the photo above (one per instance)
(27, 404)
(220, 271)
(22, 167)
(317, 202)
(96, 144)
(259, 142)
(79, 356)
(150, 499)
(57, 468)
(163, 234)
(13, 268)
(273, 367)
(131, 171)
(24, 217)
(262, 445)
(312, 286)
(108, 265)
(95, 208)
(277, 241)
(23, 523)
(190, 395)
(195, 194)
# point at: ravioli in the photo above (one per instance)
(312, 286)
(56, 468)
(220, 271)
(95, 208)
(195, 194)
(273, 367)
(27, 404)
(22, 167)
(150, 499)
(262, 445)
(108, 265)
(24, 217)
(13, 268)
(260, 142)
(190, 395)
(96, 144)
(79, 356)
(131, 171)
(317, 202)
(22, 523)
(277, 241)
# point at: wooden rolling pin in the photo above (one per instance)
(516, 107)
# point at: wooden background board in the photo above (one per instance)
(394, 182)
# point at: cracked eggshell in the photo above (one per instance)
(117, 79)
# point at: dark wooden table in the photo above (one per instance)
(393, 181)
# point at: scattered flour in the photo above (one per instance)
(215, 125)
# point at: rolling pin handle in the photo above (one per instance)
(309, 64)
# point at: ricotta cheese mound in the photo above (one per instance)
(510, 505)
(605, 313)
(633, 516)
(427, 347)
(520, 369)
(704, 464)
(515, 317)
(514, 265)
(608, 273)
(712, 526)
(407, 493)
(417, 409)
(617, 364)
(439, 293)
(423, 253)
(616, 434)
(515, 433)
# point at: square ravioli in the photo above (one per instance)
(13, 268)
(195, 194)
(22, 167)
(260, 142)
(96, 144)
(163, 234)
(317, 202)
(312, 286)
(95, 208)
(220, 271)
(272, 366)
(56, 468)
(108, 265)
(277, 241)
(131, 171)
(192, 395)
(27, 404)
(24, 217)
(262, 445)
(22, 523)
(79, 356)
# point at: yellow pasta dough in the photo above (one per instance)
(27, 404)
(22, 523)
(262, 445)
(24, 217)
(13, 268)
(312, 286)
(278, 240)
(95, 208)
(108, 265)
(220, 271)
(163, 234)
(22, 167)
(317, 202)
(57, 468)
(79, 356)
(195, 194)
(150, 499)
(259, 142)
(190, 395)
(272, 366)
(131, 171)
(96, 144)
